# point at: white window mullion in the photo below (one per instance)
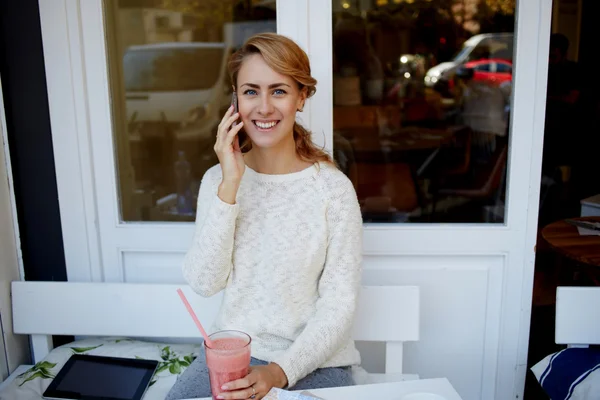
(308, 23)
(320, 43)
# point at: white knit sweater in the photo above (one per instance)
(288, 255)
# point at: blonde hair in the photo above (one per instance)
(284, 56)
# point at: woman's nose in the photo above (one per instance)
(266, 107)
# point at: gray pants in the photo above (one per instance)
(194, 382)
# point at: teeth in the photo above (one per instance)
(265, 125)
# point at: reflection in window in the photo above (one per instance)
(152, 68)
(504, 68)
(421, 109)
(170, 89)
(485, 67)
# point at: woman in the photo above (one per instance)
(278, 228)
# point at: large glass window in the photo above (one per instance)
(170, 89)
(421, 105)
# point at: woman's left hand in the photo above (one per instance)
(257, 383)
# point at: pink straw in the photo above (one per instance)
(194, 317)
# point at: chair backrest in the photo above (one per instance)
(372, 186)
(495, 178)
(42, 309)
(577, 316)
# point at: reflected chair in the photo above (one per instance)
(481, 184)
(385, 189)
(456, 157)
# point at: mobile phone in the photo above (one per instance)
(234, 101)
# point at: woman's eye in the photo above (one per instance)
(279, 92)
(250, 92)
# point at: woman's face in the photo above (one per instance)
(267, 102)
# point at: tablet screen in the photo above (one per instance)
(95, 377)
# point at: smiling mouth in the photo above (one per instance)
(265, 125)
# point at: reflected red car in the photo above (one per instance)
(493, 71)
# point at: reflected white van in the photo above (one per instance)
(181, 85)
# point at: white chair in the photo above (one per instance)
(573, 373)
(577, 316)
(387, 314)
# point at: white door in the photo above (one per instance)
(394, 130)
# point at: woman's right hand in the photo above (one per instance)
(227, 147)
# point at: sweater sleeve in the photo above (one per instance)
(208, 262)
(331, 325)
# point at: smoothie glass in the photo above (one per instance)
(227, 359)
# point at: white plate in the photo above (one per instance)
(422, 396)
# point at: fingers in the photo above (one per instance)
(236, 144)
(230, 121)
(243, 383)
(225, 134)
(228, 114)
(233, 132)
(224, 141)
(225, 131)
(226, 122)
(241, 388)
(240, 394)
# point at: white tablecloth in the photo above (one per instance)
(388, 391)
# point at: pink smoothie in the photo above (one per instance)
(227, 360)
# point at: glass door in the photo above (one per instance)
(434, 110)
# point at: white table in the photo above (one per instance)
(387, 391)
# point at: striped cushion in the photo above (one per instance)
(570, 374)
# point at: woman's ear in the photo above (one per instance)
(302, 98)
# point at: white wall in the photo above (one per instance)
(14, 349)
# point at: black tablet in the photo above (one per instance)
(86, 377)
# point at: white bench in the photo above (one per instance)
(387, 314)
